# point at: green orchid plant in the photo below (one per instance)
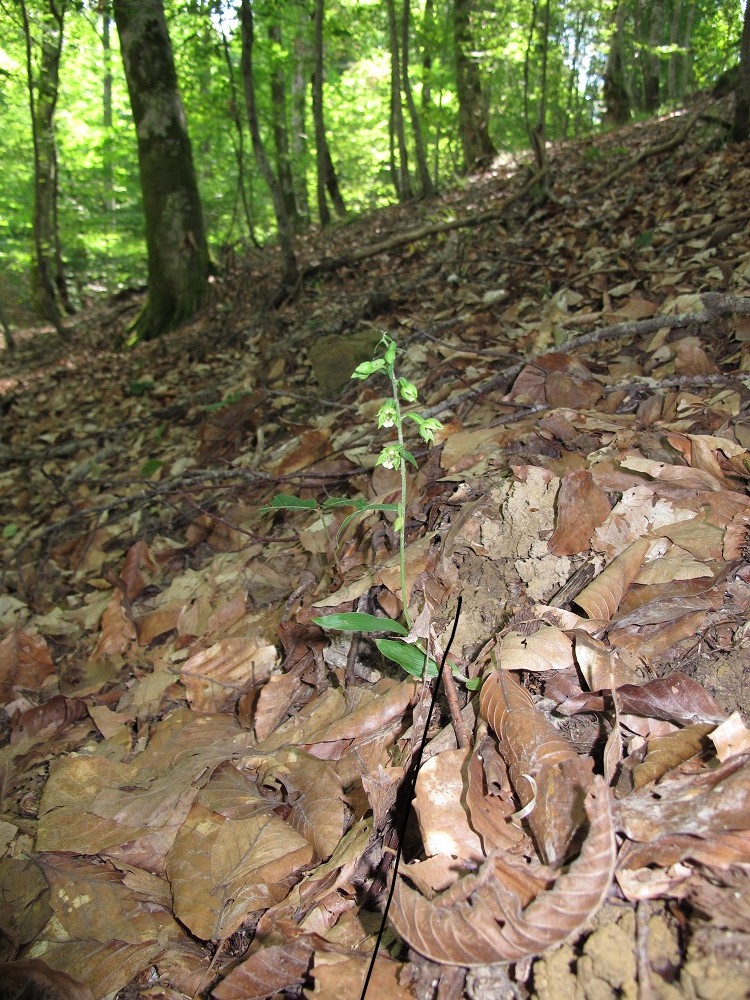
(410, 656)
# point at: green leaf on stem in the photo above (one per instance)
(358, 621)
(283, 501)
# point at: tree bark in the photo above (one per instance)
(651, 61)
(326, 174)
(280, 129)
(402, 181)
(283, 225)
(741, 125)
(178, 261)
(478, 149)
(239, 145)
(298, 121)
(47, 276)
(616, 96)
(425, 181)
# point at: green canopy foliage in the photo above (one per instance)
(536, 61)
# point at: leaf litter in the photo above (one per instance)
(202, 790)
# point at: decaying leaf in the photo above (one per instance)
(671, 750)
(535, 750)
(703, 805)
(479, 921)
(602, 597)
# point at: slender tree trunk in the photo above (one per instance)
(178, 261)
(299, 129)
(478, 149)
(10, 342)
(280, 130)
(428, 23)
(332, 182)
(686, 59)
(403, 182)
(651, 62)
(616, 96)
(741, 126)
(108, 173)
(527, 68)
(540, 132)
(239, 145)
(286, 238)
(47, 276)
(425, 181)
(674, 33)
(327, 182)
(321, 147)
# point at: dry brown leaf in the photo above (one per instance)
(582, 506)
(676, 698)
(543, 766)
(118, 629)
(269, 971)
(702, 805)
(313, 790)
(478, 921)
(667, 752)
(442, 817)
(92, 902)
(138, 569)
(33, 977)
(222, 869)
(489, 798)
(341, 976)
(546, 649)
(602, 597)
(25, 662)
(214, 678)
(731, 737)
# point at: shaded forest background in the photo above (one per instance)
(300, 114)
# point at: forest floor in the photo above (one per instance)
(201, 786)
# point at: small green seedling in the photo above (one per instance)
(410, 656)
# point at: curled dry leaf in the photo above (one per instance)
(602, 597)
(479, 921)
(667, 752)
(532, 747)
(489, 798)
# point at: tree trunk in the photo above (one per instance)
(47, 275)
(651, 62)
(402, 180)
(326, 174)
(425, 181)
(239, 145)
(286, 238)
(616, 96)
(478, 149)
(741, 126)
(321, 146)
(178, 261)
(299, 129)
(280, 130)
(108, 173)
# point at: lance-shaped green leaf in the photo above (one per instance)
(358, 621)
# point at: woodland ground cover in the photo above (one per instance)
(201, 788)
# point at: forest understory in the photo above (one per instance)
(203, 791)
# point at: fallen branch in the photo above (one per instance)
(645, 154)
(400, 239)
(716, 304)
